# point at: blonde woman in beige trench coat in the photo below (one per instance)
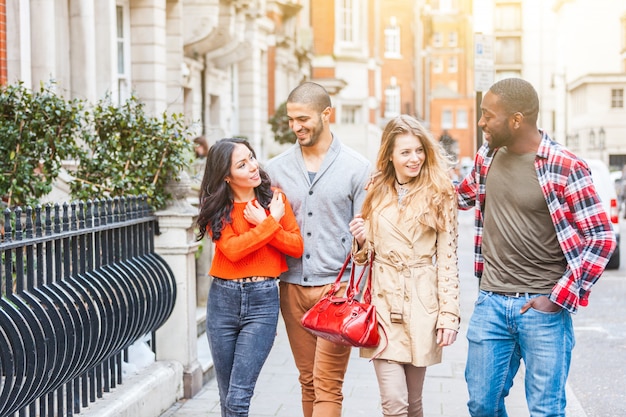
(409, 222)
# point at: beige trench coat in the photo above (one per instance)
(415, 281)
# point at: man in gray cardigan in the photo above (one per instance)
(324, 181)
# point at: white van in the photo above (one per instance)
(605, 186)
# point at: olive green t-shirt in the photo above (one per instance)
(522, 253)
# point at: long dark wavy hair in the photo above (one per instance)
(216, 197)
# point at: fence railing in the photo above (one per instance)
(80, 283)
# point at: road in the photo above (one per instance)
(598, 371)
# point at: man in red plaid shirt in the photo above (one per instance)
(542, 241)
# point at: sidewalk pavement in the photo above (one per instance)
(278, 391)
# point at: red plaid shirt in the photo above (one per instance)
(581, 224)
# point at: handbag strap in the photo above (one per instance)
(367, 293)
(355, 285)
(337, 283)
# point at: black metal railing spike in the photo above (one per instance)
(29, 281)
(48, 223)
(116, 209)
(122, 209)
(103, 211)
(19, 255)
(73, 216)
(18, 224)
(8, 230)
(65, 220)
(109, 204)
(132, 203)
(81, 215)
(57, 218)
(28, 227)
(40, 245)
(49, 270)
(38, 222)
(89, 214)
(96, 212)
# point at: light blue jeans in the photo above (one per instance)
(499, 337)
(241, 328)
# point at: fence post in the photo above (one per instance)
(176, 339)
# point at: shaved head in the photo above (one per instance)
(310, 94)
(517, 95)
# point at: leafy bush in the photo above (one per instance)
(131, 152)
(38, 131)
(121, 150)
(280, 126)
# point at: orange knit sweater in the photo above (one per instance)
(245, 250)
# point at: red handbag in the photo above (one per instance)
(344, 320)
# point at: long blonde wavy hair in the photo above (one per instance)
(433, 176)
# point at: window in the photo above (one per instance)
(501, 74)
(508, 17)
(461, 119)
(617, 98)
(392, 39)
(123, 52)
(508, 50)
(437, 65)
(392, 100)
(446, 119)
(350, 28)
(453, 39)
(348, 21)
(350, 114)
(452, 64)
(437, 39)
(444, 5)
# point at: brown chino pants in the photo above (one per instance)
(322, 364)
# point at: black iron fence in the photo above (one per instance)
(80, 283)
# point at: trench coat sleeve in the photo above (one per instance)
(447, 268)
(360, 256)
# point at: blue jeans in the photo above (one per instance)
(241, 327)
(499, 336)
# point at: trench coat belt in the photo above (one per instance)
(403, 268)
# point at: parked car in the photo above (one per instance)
(616, 177)
(605, 186)
(620, 188)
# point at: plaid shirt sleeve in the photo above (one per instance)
(471, 194)
(583, 229)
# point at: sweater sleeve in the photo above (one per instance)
(288, 239)
(236, 246)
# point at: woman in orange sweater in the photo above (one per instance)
(253, 228)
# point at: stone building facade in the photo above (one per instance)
(212, 60)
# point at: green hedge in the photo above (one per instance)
(119, 150)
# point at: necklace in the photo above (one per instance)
(402, 190)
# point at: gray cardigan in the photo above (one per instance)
(323, 208)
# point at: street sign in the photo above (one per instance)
(483, 62)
